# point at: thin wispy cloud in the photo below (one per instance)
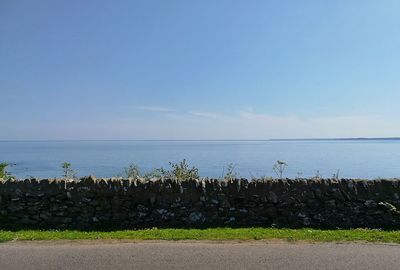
(243, 125)
(154, 109)
(249, 125)
(206, 114)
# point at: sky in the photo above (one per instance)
(210, 69)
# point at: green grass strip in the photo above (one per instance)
(209, 234)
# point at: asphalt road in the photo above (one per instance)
(197, 255)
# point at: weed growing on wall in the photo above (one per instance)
(68, 172)
(179, 171)
(279, 167)
(3, 172)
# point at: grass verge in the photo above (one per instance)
(209, 234)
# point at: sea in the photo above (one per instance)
(370, 159)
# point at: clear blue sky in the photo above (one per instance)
(199, 69)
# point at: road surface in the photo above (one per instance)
(197, 255)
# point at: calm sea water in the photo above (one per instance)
(363, 159)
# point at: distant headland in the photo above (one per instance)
(341, 139)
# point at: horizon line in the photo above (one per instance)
(274, 139)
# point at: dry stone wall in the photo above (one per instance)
(118, 203)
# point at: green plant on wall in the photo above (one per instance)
(336, 175)
(155, 173)
(132, 171)
(3, 167)
(68, 172)
(3, 172)
(181, 171)
(230, 172)
(279, 167)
